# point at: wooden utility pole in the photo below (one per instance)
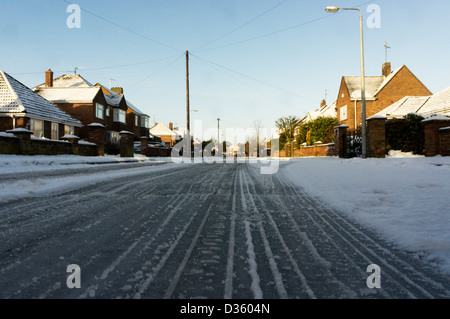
(218, 136)
(187, 92)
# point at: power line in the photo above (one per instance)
(278, 31)
(126, 28)
(103, 68)
(250, 77)
(243, 25)
(155, 74)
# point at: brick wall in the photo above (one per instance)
(156, 151)
(97, 135)
(404, 83)
(444, 141)
(23, 144)
(126, 144)
(45, 147)
(432, 135)
(6, 123)
(9, 145)
(376, 137)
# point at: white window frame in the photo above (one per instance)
(55, 131)
(107, 111)
(343, 113)
(99, 111)
(119, 116)
(34, 129)
(145, 121)
(136, 120)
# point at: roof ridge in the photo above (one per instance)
(12, 91)
(424, 103)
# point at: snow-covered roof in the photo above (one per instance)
(161, 129)
(69, 95)
(15, 97)
(404, 106)
(69, 80)
(135, 109)
(326, 110)
(354, 86)
(113, 99)
(438, 103)
(436, 117)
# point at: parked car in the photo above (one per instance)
(137, 145)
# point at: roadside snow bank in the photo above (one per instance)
(23, 163)
(405, 199)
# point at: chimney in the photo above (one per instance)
(117, 90)
(323, 103)
(171, 125)
(49, 78)
(386, 70)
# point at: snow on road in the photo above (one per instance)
(227, 231)
(406, 199)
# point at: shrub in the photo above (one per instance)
(320, 129)
(406, 135)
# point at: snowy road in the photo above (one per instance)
(198, 231)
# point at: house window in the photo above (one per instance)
(113, 137)
(55, 131)
(37, 127)
(119, 116)
(99, 108)
(144, 122)
(343, 113)
(69, 130)
(136, 120)
(107, 111)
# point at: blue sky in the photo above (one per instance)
(250, 59)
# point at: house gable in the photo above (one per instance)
(403, 83)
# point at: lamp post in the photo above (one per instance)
(363, 79)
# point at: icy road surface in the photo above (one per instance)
(198, 231)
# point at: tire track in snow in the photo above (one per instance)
(145, 284)
(228, 293)
(179, 199)
(339, 230)
(174, 281)
(123, 199)
(253, 271)
(281, 290)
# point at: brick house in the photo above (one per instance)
(167, 135)
(73, 94)
(381, 91)
(137, 121)
(116, 109)
(90, 103)
(20, 107)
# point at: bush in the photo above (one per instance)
(320, 129)
(406, 135)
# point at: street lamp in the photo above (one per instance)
(363, 78)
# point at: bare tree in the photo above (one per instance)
(257, 125)
(287, 125)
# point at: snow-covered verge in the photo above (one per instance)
(403, 197)
(20, 188)
(20, 163)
